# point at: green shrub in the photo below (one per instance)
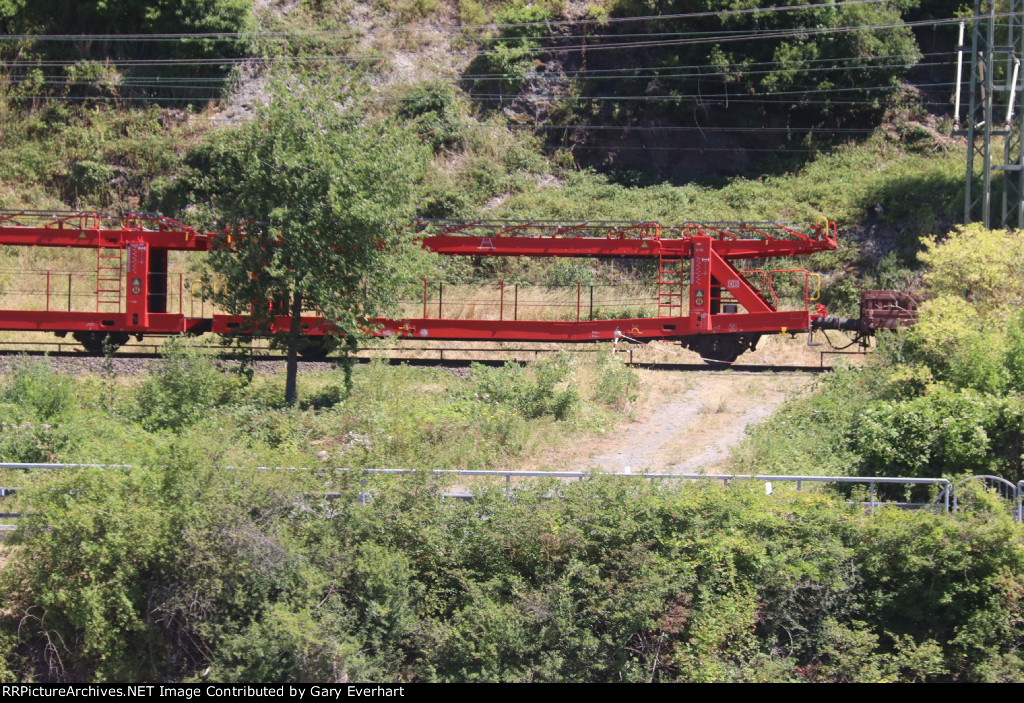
(184, 573)
(531, 392)
(88, 182)
(33, 386)
(186, 385)
(1014, 359)
(943, 433)
(569, 272)
(615, 384)
(510, 54)
(25, 439)
(434, 109)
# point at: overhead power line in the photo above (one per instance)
(177, 81)
(436, 28)
(584, 75)
(712, 39)
(624, 72)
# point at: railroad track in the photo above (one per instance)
(395, 357)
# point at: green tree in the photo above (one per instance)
(975, 278)
(314, 194)
(982, 267)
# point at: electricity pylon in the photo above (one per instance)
(995, 108)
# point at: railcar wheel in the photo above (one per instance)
(317, 348)
(722, 349)
(100, 343)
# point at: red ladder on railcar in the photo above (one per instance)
(109, 274)
(671, 288)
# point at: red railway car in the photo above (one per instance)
(703, 299)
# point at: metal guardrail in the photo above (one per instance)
(946, 498)
(799, 480)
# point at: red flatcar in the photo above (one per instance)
(703, 300)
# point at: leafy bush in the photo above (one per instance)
(569, 272)
(36, 389)
(510, 55)
(869, 60)
(531, 392)
(1014, 361)
(968, 330)
(36, 412)
(943, 433)
(615, 385)
(27, 440)
(186, 385)
(434, 109)
(184, 572)
(232, 18)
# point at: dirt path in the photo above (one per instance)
(689, 422)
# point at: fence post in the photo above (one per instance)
(69, 292)
(440, 299)
(579, 292)
(501, 302)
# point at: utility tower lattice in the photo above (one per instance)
(994, 125)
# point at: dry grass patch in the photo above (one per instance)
(685, 422)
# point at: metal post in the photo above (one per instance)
(959, 74)
(501, 302)
(579, 292)
(47, 290)
(1013, 158)
(440, 299)
(69, 292)
(591, 302)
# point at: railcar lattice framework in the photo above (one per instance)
(710, 305)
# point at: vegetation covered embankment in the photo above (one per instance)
(186, 573)
(943, 398)
(393, 417)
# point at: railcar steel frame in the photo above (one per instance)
(714, 307)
